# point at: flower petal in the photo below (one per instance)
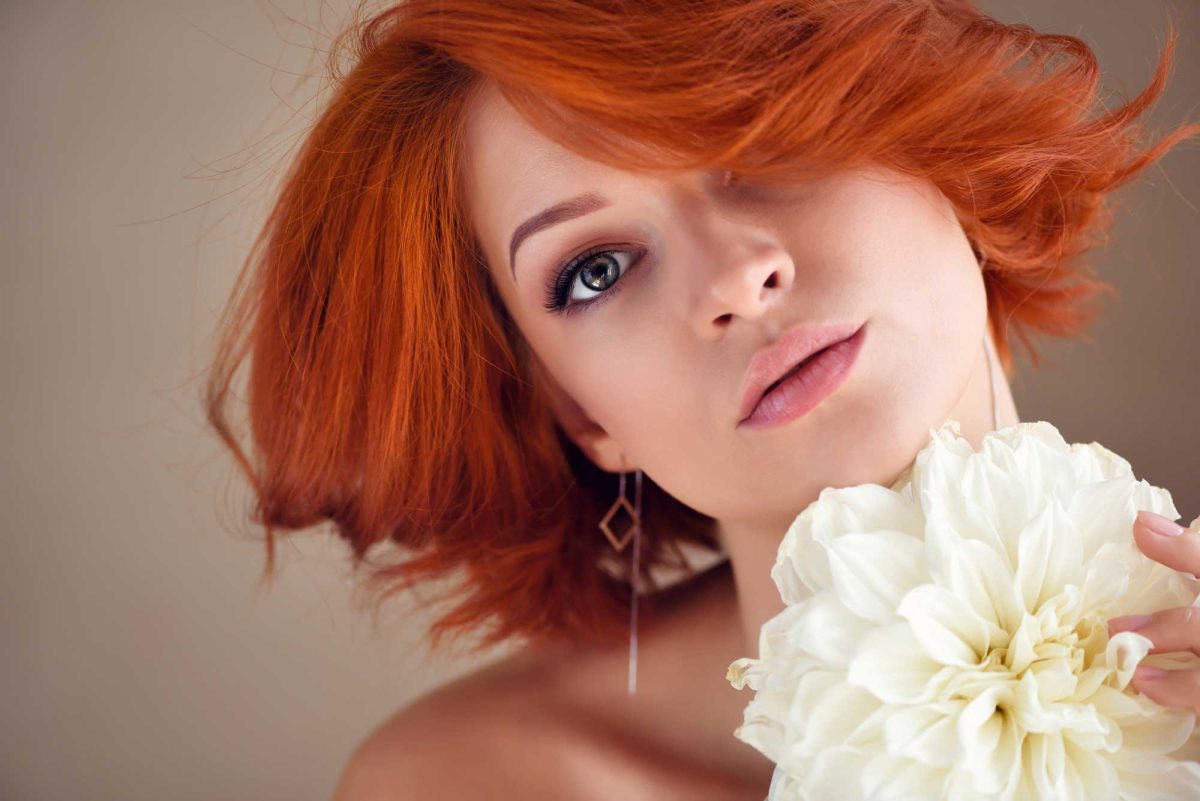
(801, 565)
(836, 775)
(989, 738)
(948, 629)
(1103, 512)
(891, 778)
(1094, 463)
(973, 570)
(828, 630)
(1043, 765)
(872, 572)
(1048, 556)
(1183, 781)
(1160, 735)
(1089, 776)
(1123, 653)
(1106, 578)
(1083, 720)
(1121, 707)
(829, 713)
(925, 733)
(895, 668)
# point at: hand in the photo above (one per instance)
(1175, 629)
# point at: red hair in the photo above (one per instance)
(390, 393)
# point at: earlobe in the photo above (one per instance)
(604, 451)
(591, 438)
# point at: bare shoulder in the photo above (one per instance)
(560, 724)
(461, 742)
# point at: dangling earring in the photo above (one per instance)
(635, 531)
(987, 352)
(728, 178)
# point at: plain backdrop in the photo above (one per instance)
(140, 142)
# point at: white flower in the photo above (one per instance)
(945, 638)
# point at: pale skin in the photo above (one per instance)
(648, 378)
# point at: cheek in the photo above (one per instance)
(644, 402)
(928, 305)
(931, 278)
(620, 393)
(944, 316)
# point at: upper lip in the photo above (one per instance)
(773, 362)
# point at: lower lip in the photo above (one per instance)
(808, 386)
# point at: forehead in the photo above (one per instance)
(513, 171)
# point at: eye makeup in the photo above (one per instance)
(563, 281)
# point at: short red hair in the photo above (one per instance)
(391, 396)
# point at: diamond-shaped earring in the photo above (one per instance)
(634, 512)
(635, 531)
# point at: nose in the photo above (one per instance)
(742, 273)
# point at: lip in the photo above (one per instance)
(807, 387)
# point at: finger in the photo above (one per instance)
(1165, 541)
(1169, 630)
(1177, 688)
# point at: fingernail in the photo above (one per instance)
(1128, 623)
(1159, 524)
(1149, 672)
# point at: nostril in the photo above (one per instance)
(773, 280)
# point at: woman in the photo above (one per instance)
(535, 258)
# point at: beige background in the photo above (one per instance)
(139, 141)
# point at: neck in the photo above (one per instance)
(752, 547)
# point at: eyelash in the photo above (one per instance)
(558, 292)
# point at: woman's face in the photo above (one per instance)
(709, 275)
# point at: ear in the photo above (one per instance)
(596, 443)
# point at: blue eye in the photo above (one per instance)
(594, 271)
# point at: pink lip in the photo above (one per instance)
(808, 386)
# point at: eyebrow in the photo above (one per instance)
(559, 212)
